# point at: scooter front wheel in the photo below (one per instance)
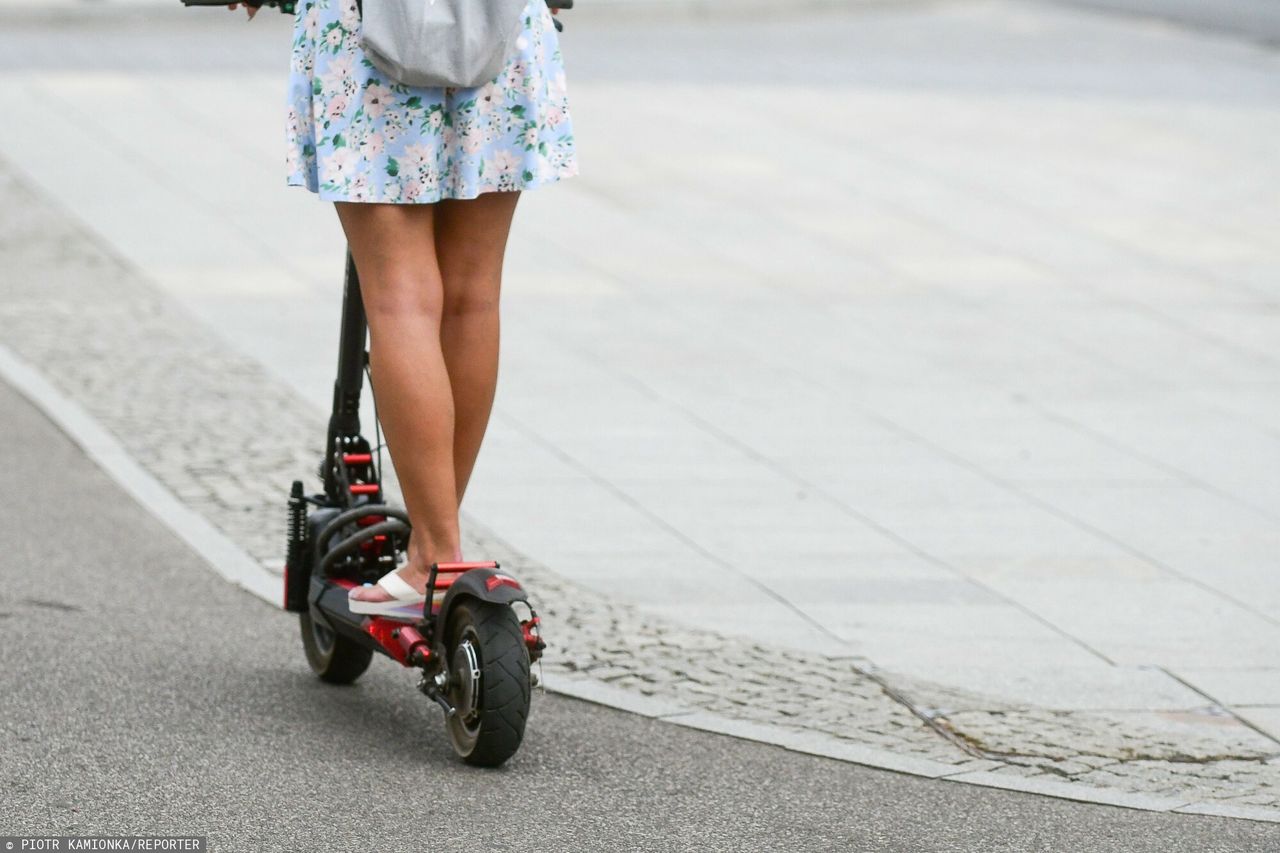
(335, 659)
(488, 682)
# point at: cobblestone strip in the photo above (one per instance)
(228, 439)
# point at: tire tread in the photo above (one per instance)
(505, 690)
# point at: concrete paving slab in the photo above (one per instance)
(1265, 718)
(1163, 622)
(1236, 685)
(1096, 687)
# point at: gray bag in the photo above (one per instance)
(462, 43)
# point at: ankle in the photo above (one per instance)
(422, 560)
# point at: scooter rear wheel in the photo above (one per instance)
(488, 682)
(335, 659)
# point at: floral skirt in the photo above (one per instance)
(354, 135)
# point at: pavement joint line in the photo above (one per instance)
(1219, 705)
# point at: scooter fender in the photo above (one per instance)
(494, 586)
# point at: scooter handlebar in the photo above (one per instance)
(286, 6)
(552, 4)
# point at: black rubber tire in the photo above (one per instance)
(335, 659)
(496, 727)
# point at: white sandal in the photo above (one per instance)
(404, 601)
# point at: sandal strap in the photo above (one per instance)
(397, 587)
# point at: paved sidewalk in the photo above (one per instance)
(981, 400)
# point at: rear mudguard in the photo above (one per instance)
(492, 585)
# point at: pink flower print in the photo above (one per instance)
(350, 15)
(339, 166)
(413, 188)
(376, 98)
(530, 137)
(516, 72)
(555, 115)
(505, 162)
(338, 74)
(435, 120)
(373, 146)
(311, 23)
(333, 38)
(472, 141)
(489, 98)
(337, 107)
(359, 188)
(415, 158)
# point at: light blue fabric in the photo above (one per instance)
(353, 135)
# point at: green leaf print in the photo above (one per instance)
(339, 141)
(528, 176)
(414, 103)
(517, 110)
(393, 168)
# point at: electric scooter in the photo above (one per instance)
(477, 635)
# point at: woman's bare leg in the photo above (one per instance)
(471, 240)
(394, 250)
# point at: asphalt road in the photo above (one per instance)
(142, 694)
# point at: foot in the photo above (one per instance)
(409, 574)
(399, 594)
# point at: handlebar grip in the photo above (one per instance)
(285, 5)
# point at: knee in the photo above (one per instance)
(470, 306)
(471, 296)
(402, 296)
